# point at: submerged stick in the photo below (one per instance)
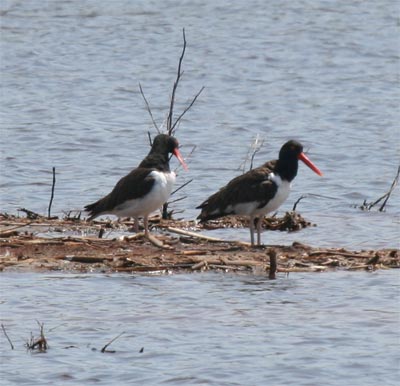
(310, 195)
(388, 194)
(40, 343)
(52, 192)
(8, 338)
(385, 197)
(272, 265)
(104, 349)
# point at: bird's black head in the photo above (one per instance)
(291, 150)
(164, 143)
(290, 153)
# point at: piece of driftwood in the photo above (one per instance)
(25, 250)
(203, 237)
(385, 197)
(340, 253)
(104, 349)
(272, 264)
(39, 343)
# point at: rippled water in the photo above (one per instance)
(210, 329)
(325, 73)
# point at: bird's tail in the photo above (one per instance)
(94, 209)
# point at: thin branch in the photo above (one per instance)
(177, 199)
(178, 76)
(385, 197)
(203, 237)
(388, 194)
(148, 108)
(8, 338)
(310, 195)
(187, 109)
(272, 265)
(181, 187)
(257, 145)
(41, 342)
(104, 349)
(188, 156)
(52, 192)
(30, 214)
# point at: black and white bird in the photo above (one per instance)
(259, 191)
(146, 188)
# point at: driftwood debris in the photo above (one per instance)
(39, 343)
(186, 249)
(369, 205)
(104, 349)
(290, 222)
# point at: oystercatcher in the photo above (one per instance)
(259, 191)
(144, 189)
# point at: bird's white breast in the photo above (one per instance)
(153, 200)
(280, 196)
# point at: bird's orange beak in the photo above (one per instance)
(308, 162)
(178, 155)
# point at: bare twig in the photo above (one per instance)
(150, 140)
(8, 338)
(148, 108)
(30, 214)
(104, 349)
(177, 200)
(52, 192)
(182, 186)
(178, 76)
(272, 265)
(310, 195)
(202, 237)
(388, 194)
(40, 343)
(187, 108)
(255, 147)
(340, 253)
(5, 232)
(385, 197)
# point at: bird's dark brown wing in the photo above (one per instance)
(251, 186)
(134, 185)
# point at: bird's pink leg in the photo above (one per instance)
(259, 223)
(251, 226)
